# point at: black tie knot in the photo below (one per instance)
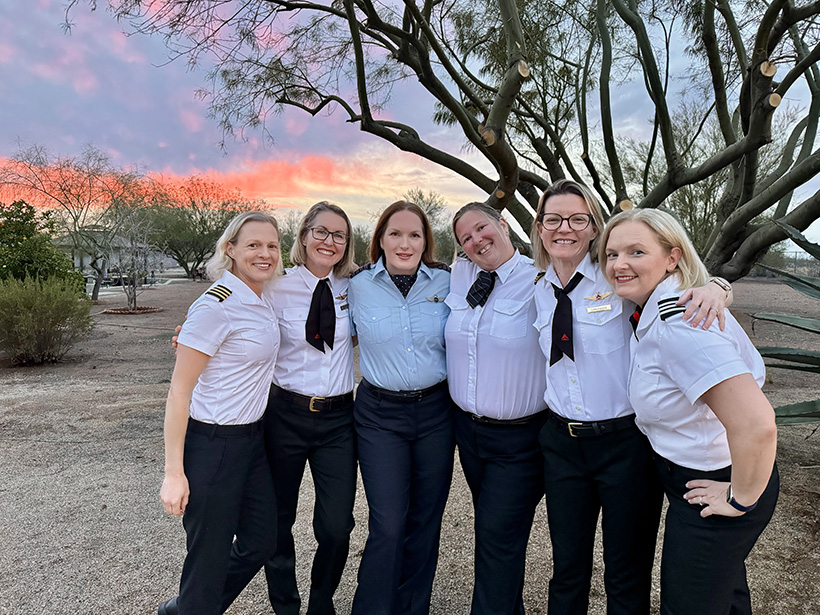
(482, 287)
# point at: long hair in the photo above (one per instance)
(376, 252)
(298, 252)
(565, 186)
(220, 261)
(670, 234)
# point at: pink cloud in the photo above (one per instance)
(190, 120)
(6, 53)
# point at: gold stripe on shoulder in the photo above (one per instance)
(220, 292)
(539, 275)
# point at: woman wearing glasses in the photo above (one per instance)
(595, 458)
(309, 419)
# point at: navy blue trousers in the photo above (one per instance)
(295, 437)
(613, 474)
(703, 567)
(406, 460)
(231, 495)
(504, 470)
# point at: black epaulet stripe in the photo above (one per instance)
(667, 308)
(538, 276)
(360, 269)
(442, 266)
(220, 292)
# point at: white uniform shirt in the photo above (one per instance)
(494, 365)
(241, 335)
(300, 367)
(593, 386)
(673, 364)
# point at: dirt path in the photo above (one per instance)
(82, 530)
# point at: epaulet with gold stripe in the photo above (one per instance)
(220, 292)
(442, 266)
(539, 275)
(362, 268)
(667, 308)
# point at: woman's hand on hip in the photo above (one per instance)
(711, 495)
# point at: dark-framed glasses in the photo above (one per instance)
(320, 233)
(577, 222)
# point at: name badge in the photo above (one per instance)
(344, 307)
(599, 308)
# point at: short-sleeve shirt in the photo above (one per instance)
(593, 386)
(301, 368)
(401, 340)
(673, 365)
(238, 330)
(495, 367)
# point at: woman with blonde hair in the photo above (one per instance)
(216, 472)
(696, 395)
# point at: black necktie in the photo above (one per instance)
(482, 287)
(562, 321)
(320, 326)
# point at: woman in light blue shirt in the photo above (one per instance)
(402, 411)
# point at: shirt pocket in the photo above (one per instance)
(511, 319)
(644, 395)
(602, 332)
(375, 326)
(433, 317)
(457, 319)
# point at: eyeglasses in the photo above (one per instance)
(320, 233)
(577, 222)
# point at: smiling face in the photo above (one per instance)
(636, 262)
(485, 241)
(403, 243)
(567, 247)
(255, 254)
(323, 255)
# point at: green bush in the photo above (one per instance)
(40, 320)
(26, 250)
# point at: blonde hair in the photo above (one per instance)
(540, 255)
(690, 270)
(220, 261)
(298, 252)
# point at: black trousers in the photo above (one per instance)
(294, 437)
(703, 567)
(612, 474)
(231, 495)
(406, 460)
(504, 470)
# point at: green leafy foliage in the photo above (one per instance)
(26, 250)
(40, 320)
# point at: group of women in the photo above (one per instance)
(524, 366)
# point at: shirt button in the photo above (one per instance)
(578, 408)
(405, 328)
(409, 350)
(404, 307)
(573, 380)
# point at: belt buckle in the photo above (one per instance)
(312, 400)
(570, 426)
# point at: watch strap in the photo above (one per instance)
(730, 498)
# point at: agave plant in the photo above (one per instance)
(793, 358)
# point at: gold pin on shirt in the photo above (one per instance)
(598, 296)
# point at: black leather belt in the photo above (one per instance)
(590, 429)
(314, 404)
(486, 420)
(403, 397)
(212, 429)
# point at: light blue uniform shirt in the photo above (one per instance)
(401, 341)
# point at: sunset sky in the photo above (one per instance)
(120, 94)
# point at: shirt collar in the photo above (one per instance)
(669, 287)
(311, 280)
(586, 268)
(379, 268)
(505, 270)
(242, 291)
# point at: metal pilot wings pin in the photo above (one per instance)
(435, 299)
(598, 296)
(341, 297)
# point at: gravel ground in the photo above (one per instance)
(82, 529)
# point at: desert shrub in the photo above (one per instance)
(40, 320)
(26, 250)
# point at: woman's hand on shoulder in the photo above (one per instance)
(706, 303)
(711, 496)
(174, 494)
